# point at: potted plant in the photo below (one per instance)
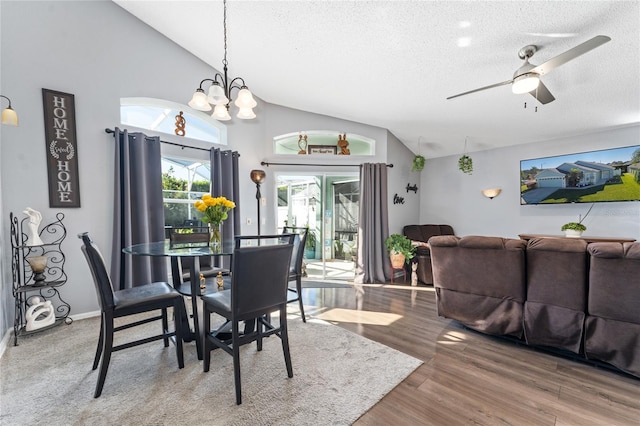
(575, 229)
(418, 163)
(310, 244)
(465, 164)
(400, 250)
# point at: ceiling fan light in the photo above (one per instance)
(245, 99)
(9, 117)
(525, 83)
(246, 114)
(221, 113)
(199, 101)
(217, 95)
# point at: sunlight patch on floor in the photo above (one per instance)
(452, 337)
(358, 317)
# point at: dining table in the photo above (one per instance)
(185, 251)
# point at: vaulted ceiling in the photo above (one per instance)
(392, 64)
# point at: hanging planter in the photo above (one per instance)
(465, 164)
(418, 163)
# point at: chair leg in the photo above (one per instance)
(259, 328)
(206, 344)
(299, 290)
(284, 336)
(165, 327)
(179, 328)
(96, 360)
(235, 335)
(106, 357)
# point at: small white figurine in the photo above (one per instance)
(34, 222)
(414, 274)
(40, 314)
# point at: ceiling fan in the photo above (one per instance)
(526, 79)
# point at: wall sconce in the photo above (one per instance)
(257, 177)
(9, 116)
(491, 193)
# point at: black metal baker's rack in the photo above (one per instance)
(25, 287)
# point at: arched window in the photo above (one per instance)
(159, 115)
(322, 141)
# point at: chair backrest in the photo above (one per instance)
(298, 247)
(259, 279)
(99, 271)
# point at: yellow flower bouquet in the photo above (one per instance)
(214, 209)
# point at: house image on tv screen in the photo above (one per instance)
(576, 175)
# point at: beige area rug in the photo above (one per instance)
(338, 376)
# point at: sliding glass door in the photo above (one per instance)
(328, 205)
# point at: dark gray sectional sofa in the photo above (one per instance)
(550, 292)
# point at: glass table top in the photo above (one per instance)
(163, 248)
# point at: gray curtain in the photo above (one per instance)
(225, 183)
(138, 214)
(373, 264)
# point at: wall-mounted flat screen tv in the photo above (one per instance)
(585, 177)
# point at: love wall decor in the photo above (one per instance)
(62, 148)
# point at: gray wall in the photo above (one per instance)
(453, 197)
(100, 53)
(398, 178)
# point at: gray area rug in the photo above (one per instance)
(338, 376)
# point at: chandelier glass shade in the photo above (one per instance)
(219, 93)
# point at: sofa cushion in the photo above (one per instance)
(614, 281)
(488, 266)
(557, 272)
(480, 281)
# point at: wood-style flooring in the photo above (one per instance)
(468, 377)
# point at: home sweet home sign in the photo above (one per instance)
(62, 148)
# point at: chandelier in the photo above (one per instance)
(219, 93)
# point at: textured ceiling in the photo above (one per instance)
(392, 64)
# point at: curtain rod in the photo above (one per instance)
(167, 142)
(264, 163)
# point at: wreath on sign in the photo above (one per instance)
(69, 150)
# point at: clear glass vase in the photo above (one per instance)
(215, 237)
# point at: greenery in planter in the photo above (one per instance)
(401, 244)
(418, 163)
(310, 243)
(577, 226)
(465, 164)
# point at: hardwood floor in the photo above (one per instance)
(468, 377)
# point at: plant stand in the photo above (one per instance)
(404, 273)
(32, 288)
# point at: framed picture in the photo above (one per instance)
(323, 149)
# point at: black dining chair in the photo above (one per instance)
(295, 268)
(115, 304)
(258, 288)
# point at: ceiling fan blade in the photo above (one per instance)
(570, 54)
(482, 88)
(542, 94)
